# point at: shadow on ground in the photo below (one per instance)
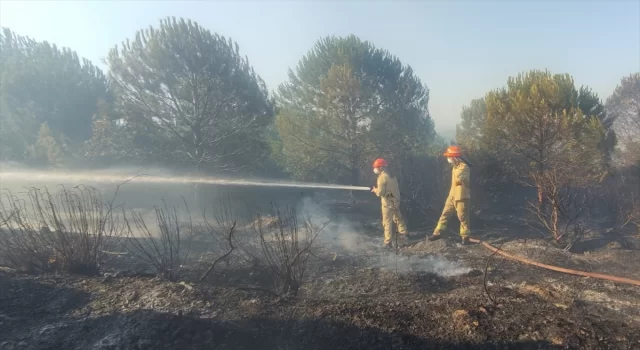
(40, 298)
(45, 315)
(612, 241)
(155, 330)
(25, 302)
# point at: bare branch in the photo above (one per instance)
(223, 256)
(486, 269)
(285, 251)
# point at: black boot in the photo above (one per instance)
(433, 238)
(465, 241)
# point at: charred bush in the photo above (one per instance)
(246, 247)
(286, 247)
(162, 248)
(223, 232)
(69, 231)
(564, 206)
(621, 200)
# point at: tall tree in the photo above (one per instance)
(346, 103)
(41, 83)
(554, 138)
(16, 132)
(469, 131)
(536, 124)
(624, 106)
(592, 108)
(194, 88)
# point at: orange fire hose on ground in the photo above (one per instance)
(556, 268)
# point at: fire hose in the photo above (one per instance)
(556, 268)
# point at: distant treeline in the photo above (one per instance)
(179, 96)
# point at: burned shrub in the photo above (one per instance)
(246, 247)
(163, 249)
(286, 247)
(223, 232)
(621, 200)
(563, 207)
(70, 231)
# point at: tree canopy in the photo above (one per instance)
(42, 84)
(179, 96)
(195, 92)
(469, 131)
(346, 103)
(624, 107)
(538, 119)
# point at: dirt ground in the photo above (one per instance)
(427, 295)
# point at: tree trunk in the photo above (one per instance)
(554, 221)
(540, 196)
(540, 167)
(538, 185)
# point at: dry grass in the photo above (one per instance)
(67, 231)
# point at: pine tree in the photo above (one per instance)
(41, 83)
(195, 91)
(46, 152)
(345, 104)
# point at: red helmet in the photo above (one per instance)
(379, 163)
(453, 151)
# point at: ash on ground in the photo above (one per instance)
(355, 296)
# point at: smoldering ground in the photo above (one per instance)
(343, 236)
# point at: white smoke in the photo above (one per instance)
(345, 237)
(430, 263)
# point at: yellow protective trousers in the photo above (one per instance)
(459, 207)
(391, 215)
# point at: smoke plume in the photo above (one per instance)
(346, 237)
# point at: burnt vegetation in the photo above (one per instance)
(163, 248)
(555, 178)
(67, 231)
(286, 246)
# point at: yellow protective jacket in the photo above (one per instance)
(460, 182)
(388, 190)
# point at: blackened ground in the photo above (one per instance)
(369, 299)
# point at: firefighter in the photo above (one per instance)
(389, 192)
(458, 201)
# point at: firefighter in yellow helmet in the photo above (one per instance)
(458, 201)
(389, 192)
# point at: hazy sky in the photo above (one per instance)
(460, 49)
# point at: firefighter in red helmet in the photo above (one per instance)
(457, 202)
(389, 192)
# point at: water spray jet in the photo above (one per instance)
(101, 178)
